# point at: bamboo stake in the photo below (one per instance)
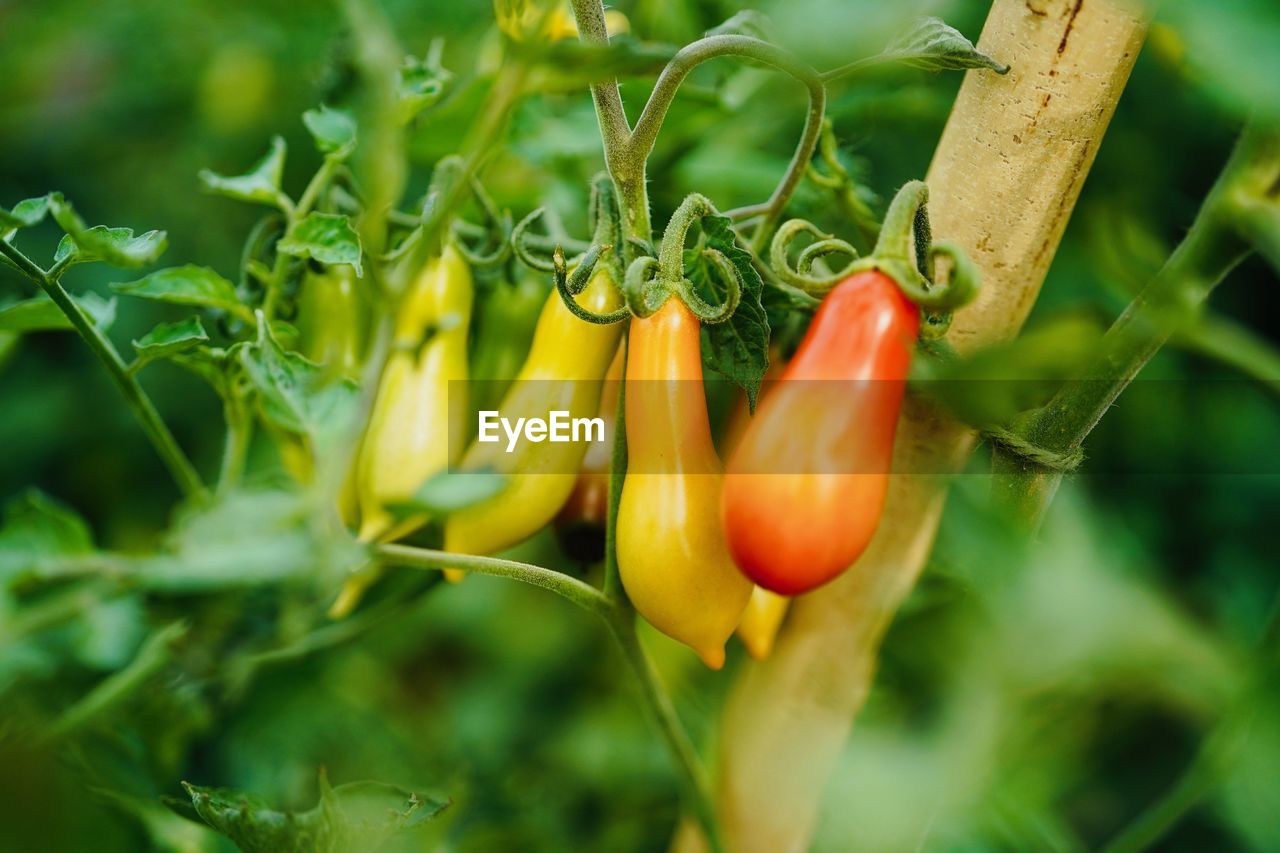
(1003, 183)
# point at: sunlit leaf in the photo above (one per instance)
(325, 237)
(333, 130)
(118, 247)
(295, 394)
(935, 46)
(261, 185)
(186, 285)
(169, 339)
(40, 314)
(24, 214)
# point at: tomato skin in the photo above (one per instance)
(672, 555)
(565, 369)
(407, 439)
(806, 485)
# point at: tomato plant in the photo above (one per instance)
(489, 291)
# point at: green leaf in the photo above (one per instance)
(935, 46)
(325, 237)
(448, 492)
(360, 816)
(40, 314)
(250, 538)
(261, 185)
(737, 349)
(187, 285)
(333, 130)
(115, 246)
(295, 394)
(24, 214)
(37, 526)
(169, 339)
(421, 84)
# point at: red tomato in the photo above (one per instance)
(805, 486)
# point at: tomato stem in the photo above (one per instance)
(1211, 249)
(179, 465)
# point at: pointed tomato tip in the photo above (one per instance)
(713, 657)
(454, 575)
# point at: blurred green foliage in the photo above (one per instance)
(1028, 698)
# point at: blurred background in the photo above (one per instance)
(1028, 697)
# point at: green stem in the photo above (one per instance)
(236, 449)
(1023, 488)
(154, 655)
(1235, 346)
(184, 473)
(693, 777)
(584, 595)
(640, 146)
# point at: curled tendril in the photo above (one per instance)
(801, 276)
(605, 217)
(522, 243)
(905, 252)
(650, 281)
(498, 231)
(643, 288)
(570, 284)
(705, 311)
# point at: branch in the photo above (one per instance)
(184, 473)
(583, 595)
(1212, 248)
(703, 50)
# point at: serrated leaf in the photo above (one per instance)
(325, 237)
(261, 185)
(25, 213)
(115, 246)
(169, 339)
(935, 46)
(737, 349)
(295, 394)
(449, 492)
(37, 526)
(40, 314)
(333, 130)
(359, 816)
(187, 285)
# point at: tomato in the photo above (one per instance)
(672, 555)
(805, 487)
(565, 371)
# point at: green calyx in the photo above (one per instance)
(650, 281)
(905, 251)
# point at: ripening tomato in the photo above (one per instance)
(805, 486)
